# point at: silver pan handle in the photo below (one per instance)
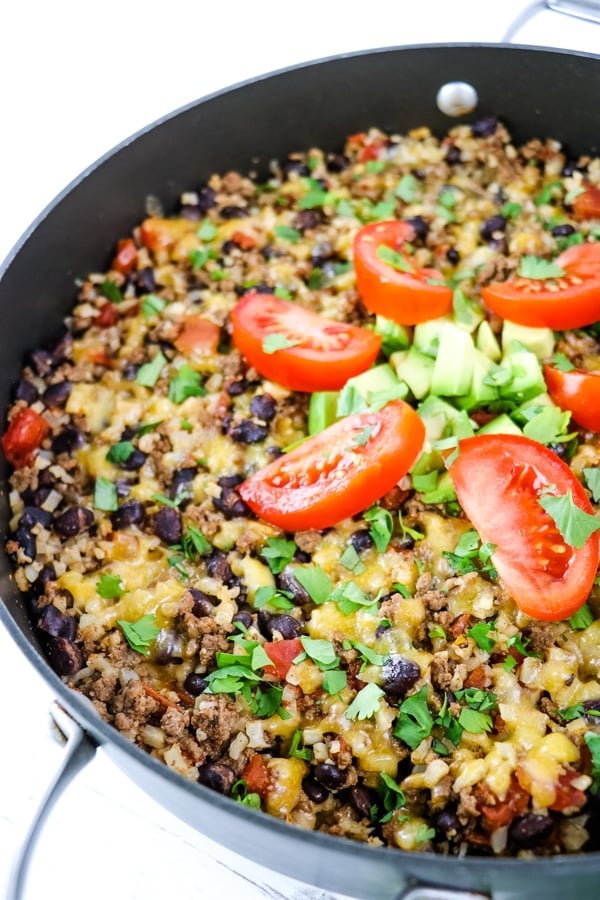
(589, 10)
(79, 751)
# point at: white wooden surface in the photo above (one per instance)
(75, 79)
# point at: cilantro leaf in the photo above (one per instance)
(296, 750)
(381, 526)
(141, 634)
(111, 291)
(407, 188)
(366, 703)
(581, 619)
(392, 796)
(287, 233)
(276, 599)
(414, 722)
(574, 524)
(185, 383)
(592, 481)
(110, 587)
(351, 560)
(314, 581)
(105, 495)
(120, 453)
(194, 543)
(274, 342)
(593, 742)
(480, 632)
(350, 598)
(474, 721)
(335, 680)
(536, 268)
(207, 231)
(278, 552)
(560, 362)
(150, 372)
(548, 425)
(321, 652)
(394, 259)
(240, 793)
(152, 305)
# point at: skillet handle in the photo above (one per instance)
(589, 10)
(79, 751)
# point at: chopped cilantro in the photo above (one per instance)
(352, 561)
(548, 425)
(241, 794)
(198, 258)
(150, 372)
(177, 562)
(401, 589)
(394, 259)
(278, 553)
(592, 481)
(166, 501)
(260, 658)
(266, 595)
(581, 619)
(185, 383)
(480, 632)
(474, 721)
(383, 210)
(274, 342)
(105, 495)
(407, 188)
(110, 587)
(414, 722)
(321, 652)
(407, 531)
(369, 655)
(546, 195)
(560, 362)
(146, 429)
(300, 752)
(593, 742)
(470, 556)
(381, 526)
(392, 796)
(436, 631)
(282, 292)
(511, 210)
(152, 305)
(574, 524)
(350, 598)
(111, 291)
(335, 680)
(195, 543)
(424, 833)
(207, 231)
(536, 268)
(314, 581)
(141, 634)
(366, 703)
(120, 453)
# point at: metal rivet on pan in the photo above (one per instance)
(457, 98)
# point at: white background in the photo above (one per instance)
(76, 79)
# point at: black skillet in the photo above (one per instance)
(537, 93)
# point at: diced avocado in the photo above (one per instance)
(427, 335)
(461, 425)
(520, 414)
(537, 340)
(466, 314)
(416, 369)
(322, 411)
(443, 492)
(369, 388)
(487, 342)
(480, 392)
(527, 378)
(453, 369)
(502, 424)
(428, 461)
(394, 336)
(438, 416)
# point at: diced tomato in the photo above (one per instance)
(23, 436)
(243, 240)
(568, 301)
(315, 353)
(108, 315)
(398, 290)
(198, 336)
(567, 796)
(504, 811)
(339, 472)
(126, 257)
(256, 775)
(499, 480)
(283, 653)
(577, 391)
(587, 204)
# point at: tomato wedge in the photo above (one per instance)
(339, 472)
(387, 280)
(23, 436)
(198, 336)
(282, 653)
(577, 391)
(569, 301)
(126, 256)
(297, 348)
(498, 480)
(587, 204)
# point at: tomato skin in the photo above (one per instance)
(405, 297)
(577, 391)
(331, 476)
(587, 204)
(504, 811)
(498, 480)
(257, 776)
(23, 436)
(575, 304)
(198, 336)
(283, 653)
(126, 256)
(329, 352)
(567, 796)
(107, 315)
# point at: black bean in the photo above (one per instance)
(134, 461)
(453, 155)
(47, 574)
(421, 228)
(453, 256)
(233, 212)
(33, 515)
(248, 432)
(64, 656)
(531, 829)
(218, 567)
(203, 603)
(262, 620)
(37, 498)
(571, 166)
(26, 391)
(67, 440)
(499, 245)
(61, 346)
(235, 388)
(26, 541)
(56, 395)
(315, 792)
(484, 127)
(563, 230)
(362, 799)
(407, 542)
(398, 675)
(337, 162)
(216, 776)
(491, 226)
(130, 371)
(361, 540)
(244, 617)
(168, 647)
(195, 684)
(382, 628)
(295, 165)
(307, 219)
(263, 406)
(287, 581)
(592, 706)
(130, 513)
(287, 626)
(56, 623)
(207, 198)
(41, 361)
(329, 776)
(229, 502)
(168, 525)
(73, 521)
(448, 822)
(181, 481)
(146, 282)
